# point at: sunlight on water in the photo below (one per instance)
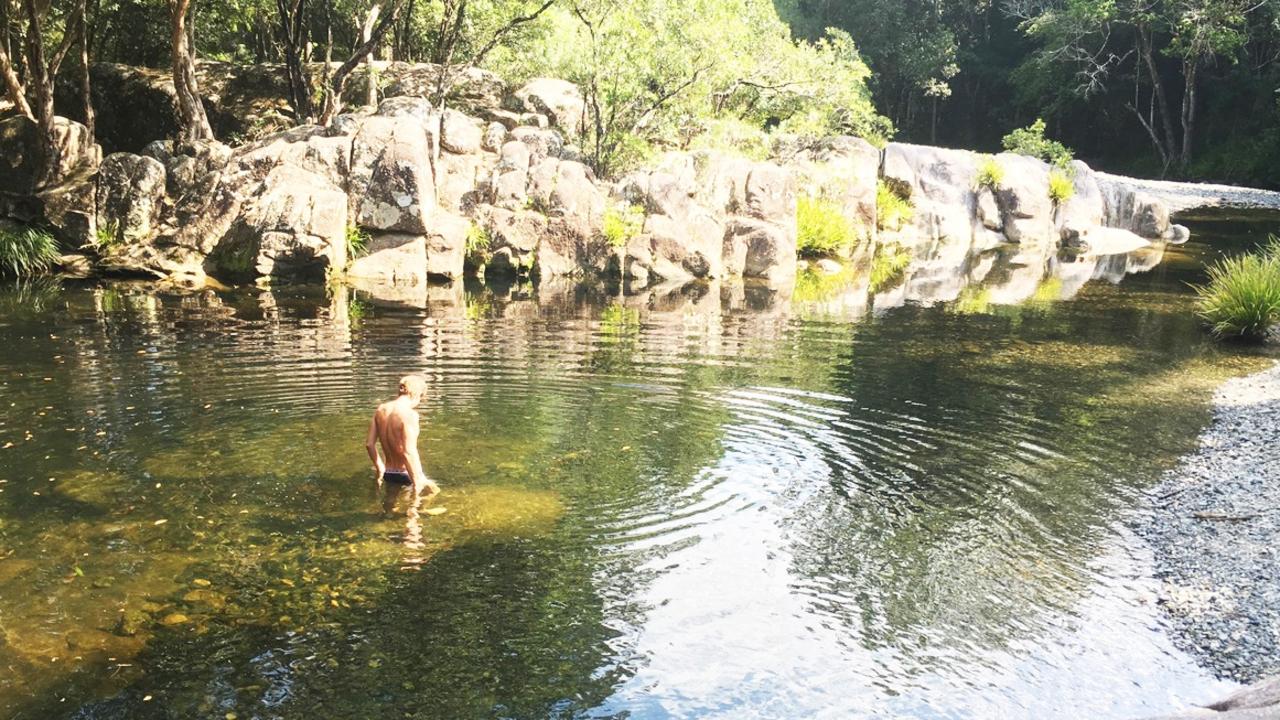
(900, 500)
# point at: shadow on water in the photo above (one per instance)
(702, 500)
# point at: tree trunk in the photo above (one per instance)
(86, 89)
(333, 93)
(1190, 71)
(366, 35)
(37, 72)
(1166, 117)
(12, 85)
(193, 123)
(292, 35)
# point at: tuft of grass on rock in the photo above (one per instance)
(26, 251)
(893, 210)
(1061, 187)
(621, 224)
(1242, 298)
(822, 228)
(990, 175)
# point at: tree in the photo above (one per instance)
(1105, 38)
(193, 123)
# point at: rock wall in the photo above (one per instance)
(408, 193)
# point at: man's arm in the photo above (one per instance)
(414, 461)
(371, 445)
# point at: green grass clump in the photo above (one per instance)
(990, 174)
(1242, 298)
(357, 241)
(26, 251)
(892, 209)
(622, 224)
(1061, 187)
(822, 228)
(887, 266)
(478, 239)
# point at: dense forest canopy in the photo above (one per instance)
(1162, 87)
(1177, 87)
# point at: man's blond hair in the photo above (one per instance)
(413, 386)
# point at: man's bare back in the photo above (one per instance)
(395, 427)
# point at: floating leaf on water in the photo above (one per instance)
(435, 511)
(175, 619)
(160, 522)
(286, 581)
(76, 569)
(201, 582)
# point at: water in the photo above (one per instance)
(903, 502)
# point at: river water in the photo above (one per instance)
(903, 500)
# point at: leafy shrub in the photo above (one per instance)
(892, 209)
(1061, 187)
(1031, 141)
(477, 239)
(887, 266)
(106, 236)
(990, 174)
(357, 241)
(822, 228)
(26, 251)
(622, 224)
(1242, 298)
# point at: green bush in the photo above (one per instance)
(1242, 298)
(822, 228)
(887, 266)
(892, 209)
(990, 174)
(26, 251)
(1031, 141)
(1061, 187)
(622, 224)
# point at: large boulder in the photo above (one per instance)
(294, 225)
(130, 196)
(939, 183)
(559, 100)
(758, 249)
(446, 245)
(845, 169)
(392, 258)
(460, 134)
(1132, 209)
(391, 184)
(19, 153)
(1026, 210)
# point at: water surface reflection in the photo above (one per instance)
(894, 498)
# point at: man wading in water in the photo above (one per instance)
(395, 427)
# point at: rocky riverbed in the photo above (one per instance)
(1214, 526)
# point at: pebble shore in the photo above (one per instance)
(1214, 526)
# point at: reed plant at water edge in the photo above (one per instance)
(26, 251)
(1242, 298)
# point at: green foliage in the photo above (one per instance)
(1242, 298)
(657, 73)
(822, 228)
(357, 239)
(620, 225)
(1061, 187)
(478, 239)
(730, 134)
(892, 209)
(887, 266)
(106, 236)
(26, 251)
(1031, 141)
(990, 174)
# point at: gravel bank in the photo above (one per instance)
(1182, 196)
(1214, 526)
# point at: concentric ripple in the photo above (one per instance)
(650, 510)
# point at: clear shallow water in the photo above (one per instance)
(908, 502)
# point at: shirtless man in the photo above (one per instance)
(395, 427)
